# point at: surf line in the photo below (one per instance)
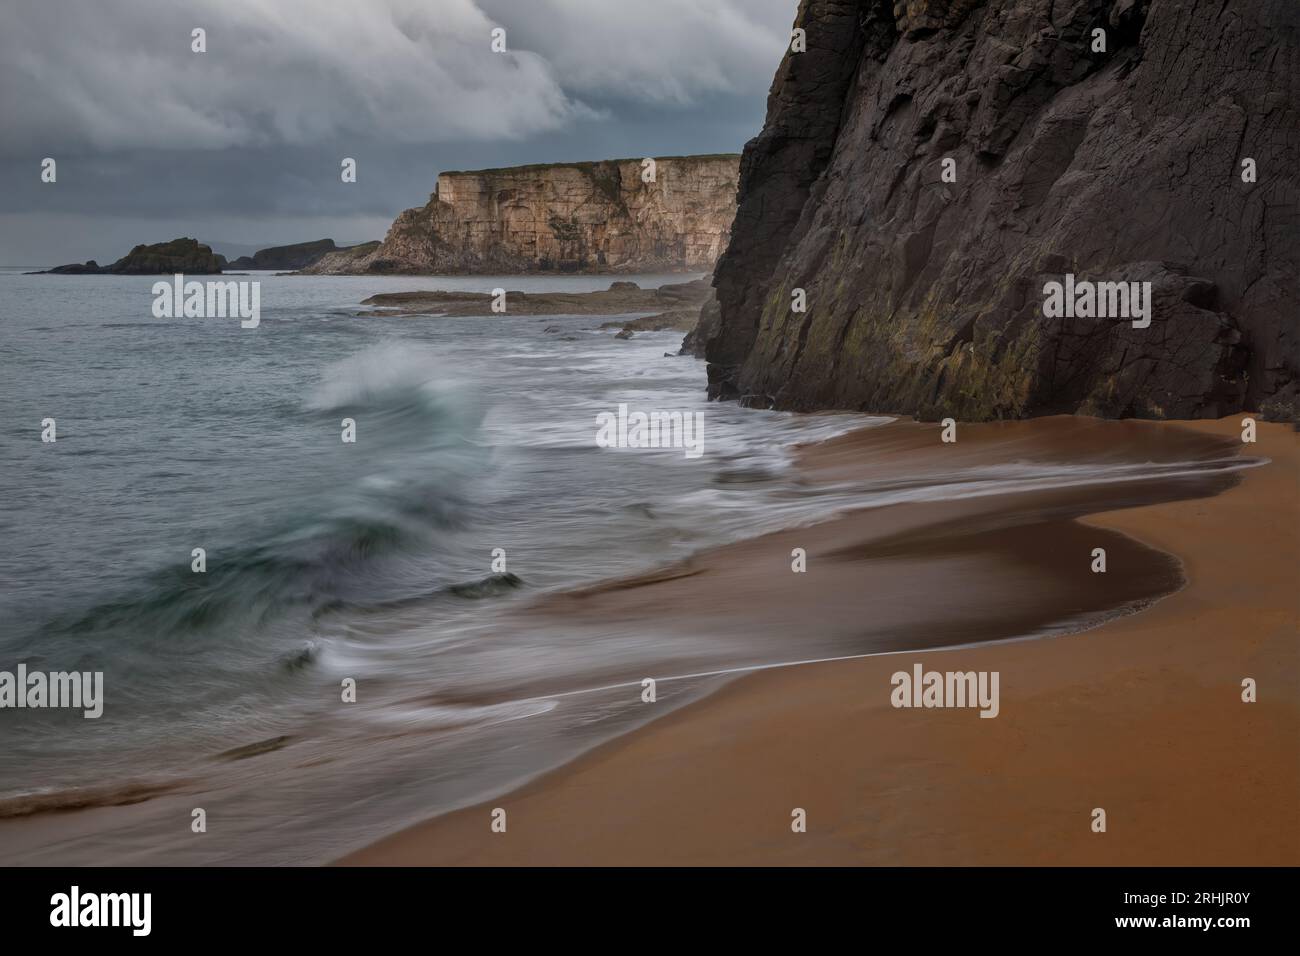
(775, 665)
(1231, 464)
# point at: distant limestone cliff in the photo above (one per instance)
(563, 217)
(928, 168)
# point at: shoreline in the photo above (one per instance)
(1117, 716)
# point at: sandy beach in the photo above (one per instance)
(1141, 716)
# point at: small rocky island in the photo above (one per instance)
(191, 257)
(188, 256)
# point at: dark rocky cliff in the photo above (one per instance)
(926, 297)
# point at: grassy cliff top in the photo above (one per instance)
(588, 165)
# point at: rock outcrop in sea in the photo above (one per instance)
(299, 255)
(188, 256)
(927, 166)
(670, 307)
(562, 217)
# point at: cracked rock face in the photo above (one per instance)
(925, 295)
(575, 217)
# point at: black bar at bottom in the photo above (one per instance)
(333, 906)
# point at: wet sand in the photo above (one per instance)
(1141, 716)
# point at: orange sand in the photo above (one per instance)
(1142, 717)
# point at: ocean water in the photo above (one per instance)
(370, 562)
(328, 560)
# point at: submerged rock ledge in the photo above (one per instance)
(676, 302)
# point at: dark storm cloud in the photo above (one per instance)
(253, 131)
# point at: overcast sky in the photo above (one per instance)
(241, 145)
